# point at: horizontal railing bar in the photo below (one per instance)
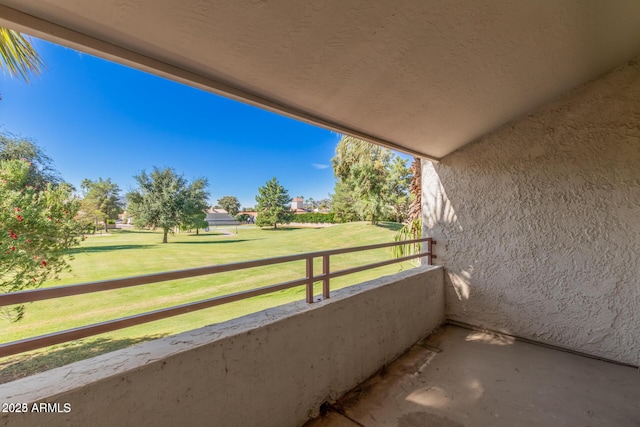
(33, 343)
(105, 285)
(367, 247)
(374, 265)
(46, 340)
(322, 276)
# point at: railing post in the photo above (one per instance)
(325, 272)
(430, 255)
(309, 279)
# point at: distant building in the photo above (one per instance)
(297, 205)
(216, 217)
(124, 218)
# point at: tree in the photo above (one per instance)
(230, 204)
(242, 217)
(413, 228)
(311, 204)
(41, 172)
(101, 200)
(344, 204)
(371, 180)
(37, 226)
(196, 221)
(17, 55)
(415, 188)
(37, 211)
(324, 205)
(273, 204)
(361, 166)
(397, 189)
(195, 206)
(165, 199)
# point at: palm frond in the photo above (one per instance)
(17, 55)
(411, 230)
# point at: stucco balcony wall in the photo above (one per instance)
(538, 223)
(272, 368)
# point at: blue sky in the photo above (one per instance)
(99, 119)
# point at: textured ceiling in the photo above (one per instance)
(426, 76)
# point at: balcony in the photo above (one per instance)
(535, 203)
(465, 377)
(276, 367)
(285, 365)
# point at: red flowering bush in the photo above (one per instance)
(37, 227)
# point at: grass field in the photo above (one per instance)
(128, 253)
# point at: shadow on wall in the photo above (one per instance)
(437, 207)
(439, 216)
(441, 222)
(538, 226)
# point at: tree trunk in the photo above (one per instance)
(415, 188)
(164, 238)
(106, 227)
(197, 231)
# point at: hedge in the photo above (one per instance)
(315, 218)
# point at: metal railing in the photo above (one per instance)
(310, 278)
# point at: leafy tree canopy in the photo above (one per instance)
(273, 204)
(396, 190)
(242, 217)
(165, 199)
(41, 171)
(195, 206)
(371, 181)
(101, 200)
(344, 203)
(36, 229)
(231, 204)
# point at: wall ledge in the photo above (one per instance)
(333, 341)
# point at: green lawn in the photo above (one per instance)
(128, 253)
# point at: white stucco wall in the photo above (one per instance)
(273, 368)
(538, 223)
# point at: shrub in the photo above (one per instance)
(242, 217)
(37, 226)
(315, 218)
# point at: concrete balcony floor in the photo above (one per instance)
(459, 377)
